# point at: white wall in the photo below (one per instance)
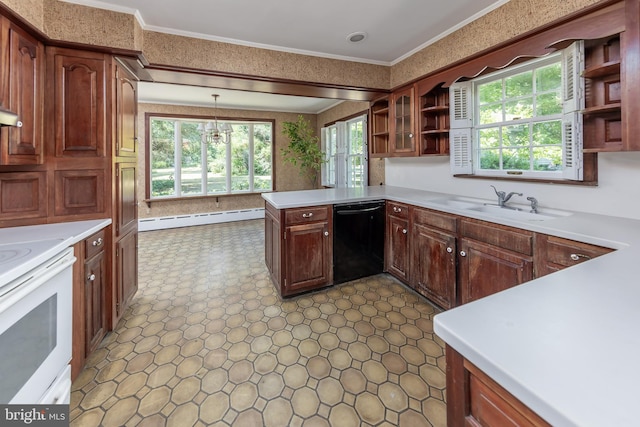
(618, 192)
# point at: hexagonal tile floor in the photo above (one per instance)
(207, 341)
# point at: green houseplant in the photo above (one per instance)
(303, 149)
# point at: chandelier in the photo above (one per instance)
(211, 132)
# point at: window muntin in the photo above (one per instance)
(518, 126)
(183, 164)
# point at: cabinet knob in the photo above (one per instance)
(397, 209)
(97, 242)
(449, 250)
(410, 135)
(326, 233)
(307, 215)
(404, 231)
(19, 124)
(91, 277)
(463, 253)
(577, 257)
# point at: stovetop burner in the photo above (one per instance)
(11, 255)
(18, 258)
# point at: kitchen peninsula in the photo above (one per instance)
(564, 344)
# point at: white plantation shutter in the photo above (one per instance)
(460, 119)
(460, 105)
(572, 105)
(460, 149)
(572, 146)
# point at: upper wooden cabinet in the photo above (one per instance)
(126, 135)
(21, 92)
(402, 139)
(432, 119)
(77, 84)
(379, 129)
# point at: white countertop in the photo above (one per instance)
(56, 237)
(566, 344)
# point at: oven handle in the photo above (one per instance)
(358, 211)
(36, 278)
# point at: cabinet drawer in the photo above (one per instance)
(434, 219)
(306, 215)
(504, 237)
(398, 210)
(568, 252)
(94, 244)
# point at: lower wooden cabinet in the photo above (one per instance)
(126, 273)
(299, 248)
(475, 400)
(433, 256)
(90, 298)
(555, 253)
(397, 241)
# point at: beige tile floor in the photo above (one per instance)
(207, 341)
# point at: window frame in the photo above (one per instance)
(336, 171)
(149, 116)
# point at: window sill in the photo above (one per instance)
(149, 202)
(534, 180)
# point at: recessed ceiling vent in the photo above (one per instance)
(357, 37)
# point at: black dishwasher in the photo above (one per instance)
(358, 240)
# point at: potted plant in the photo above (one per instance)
(303, 149)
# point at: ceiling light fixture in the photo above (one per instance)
(211, 132)
(357, 37)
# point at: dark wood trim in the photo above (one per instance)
(630, 76)
(147, 146)
(457, 388)
(349, 117)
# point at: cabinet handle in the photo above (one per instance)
(410, 135)
(91, 277)
(97, 242)
(449, 250)
(576, 257)
(307, 215)
(396, 209)
(463, 253)
(404, 231)
(326, 233)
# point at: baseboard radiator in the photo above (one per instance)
(161, 223)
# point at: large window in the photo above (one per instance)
(523, 121)
(345, 147)
(182, 164)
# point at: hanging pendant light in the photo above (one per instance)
(212, 133)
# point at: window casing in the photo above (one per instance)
(522, 122)
(345, 146)
(182, 164)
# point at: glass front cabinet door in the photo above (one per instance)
(403, 139)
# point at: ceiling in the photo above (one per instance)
(393, 31)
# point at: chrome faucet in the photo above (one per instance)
(534, 204)
(504, 197)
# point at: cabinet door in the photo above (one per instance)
(25, 73)
(487, 269)
(403, 141)
(126, 273)
(554, 253)
(309, 253)
(272, 245)
(126, 198)
(126, 114)
(397, 254)
(94, 302)
(79, 107)
(434, 265)
(23, 195)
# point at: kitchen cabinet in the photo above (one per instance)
(90, 301)
(474, 399)
(402, 139)
(554, 253)
(492, 258)
(432, 119)
(23, 196)
(397, 241)
(379, 130)
(125, 283)
(126, 113)
(299, 248)
(433, 255)
(21, 92)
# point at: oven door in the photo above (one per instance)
(35, 330)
